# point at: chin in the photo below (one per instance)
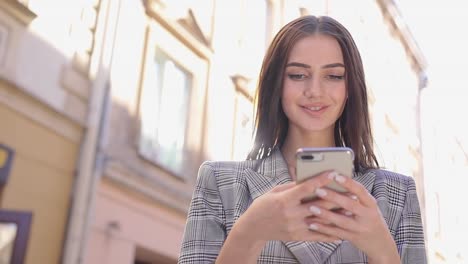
(316, 128)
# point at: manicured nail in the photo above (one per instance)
(354, 197)
(313, 227)
(320, 192)
(332, 175)
(315, 210)
(340, 179)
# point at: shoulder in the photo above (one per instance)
(393, 178)
(396, 196)
(215, 172)
(396, 189)
(228, 166)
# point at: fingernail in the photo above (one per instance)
(348, 213)
(315, 210)
(313, 227)
(354, 197)
(332, 175)
(338, 241)
(320, 192)
(340, 179)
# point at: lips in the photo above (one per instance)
(315, 110)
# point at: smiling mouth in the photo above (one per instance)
(315, 108)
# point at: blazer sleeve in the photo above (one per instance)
(205, 230)
(409, 235)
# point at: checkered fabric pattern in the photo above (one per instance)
(225, 190)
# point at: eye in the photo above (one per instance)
(297, 77)
(335, 77)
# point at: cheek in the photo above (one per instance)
(340, 95)
(291, 91)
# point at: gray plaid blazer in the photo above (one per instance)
(225, 190)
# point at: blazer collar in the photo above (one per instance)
(273, 171)
(269, 172)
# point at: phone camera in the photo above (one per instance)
(308, 157)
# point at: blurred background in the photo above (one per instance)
(108, 108)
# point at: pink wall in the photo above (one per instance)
(123, 221)
(104, 249)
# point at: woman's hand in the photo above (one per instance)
(276, 215)
(331, 206)
(280, 215)
(366, 229)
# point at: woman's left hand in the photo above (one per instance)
(366, 229)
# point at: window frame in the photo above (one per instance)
(5, 167)
(23, 220)
(159, 38)
(160, 56)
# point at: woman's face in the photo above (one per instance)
(314, 88)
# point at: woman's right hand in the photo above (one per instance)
(280, 215)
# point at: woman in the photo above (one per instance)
(312, 93)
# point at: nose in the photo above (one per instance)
(312, 88)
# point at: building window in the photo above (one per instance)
(171, 104)
(14, 234)
(165, 106)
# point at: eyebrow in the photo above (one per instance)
(302, 65)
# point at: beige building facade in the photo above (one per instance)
(43, 112)
(112, 105)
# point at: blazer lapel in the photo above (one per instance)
(273, 171)
(367, 179)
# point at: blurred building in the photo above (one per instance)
(110, 106)
(44, 91)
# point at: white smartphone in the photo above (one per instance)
(312, 161)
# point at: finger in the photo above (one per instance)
(343, 201)
(329, 205)
(312, 235)
(283, 187)
(351, 195)
(316, 210)
(308, 187)
(331, 231)
(314, 219)
(356, 188)
(305, 211)
(304, 233)
(309, 209)
(342, 221)
(344, 212)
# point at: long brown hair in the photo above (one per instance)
(352, 129)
